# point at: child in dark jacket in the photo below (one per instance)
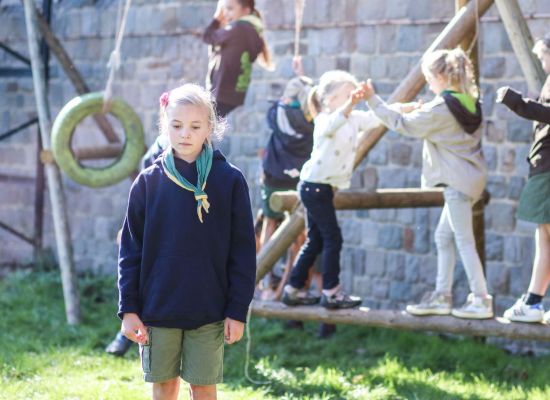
(236, 38)
(534, 202)
(187, 259)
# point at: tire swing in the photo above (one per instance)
(63, 129)
(100, 102)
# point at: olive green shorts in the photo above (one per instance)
(195, 355)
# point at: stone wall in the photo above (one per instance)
(389, 255)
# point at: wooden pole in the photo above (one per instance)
(72, 73)
(100, 152)
(355, 200)
(395, 319)
(522, 43)
(478, 211)
(462, 23)
(60, 220)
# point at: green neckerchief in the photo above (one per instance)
(256, 22)
(204, 164)
(467, 101)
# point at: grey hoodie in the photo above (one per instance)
(450, 156)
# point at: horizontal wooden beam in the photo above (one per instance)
(381, 198)
(100, 152)
(401, 320)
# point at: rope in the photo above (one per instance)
(299, 6)
(474, 39)
(249, 350)
(114, 59)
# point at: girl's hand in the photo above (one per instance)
(233, 330)
(219, 14)
(500, 93)
(133, 328)
(356, 96)
(409, 107)
(368, 89)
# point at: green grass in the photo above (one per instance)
(43, 358)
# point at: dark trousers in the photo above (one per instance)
(323, 235)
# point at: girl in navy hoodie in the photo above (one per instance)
(187, 259)
(236, 39)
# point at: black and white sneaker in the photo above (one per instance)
(340, 300)
(298, 297)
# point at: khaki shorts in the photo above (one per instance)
(195, 355)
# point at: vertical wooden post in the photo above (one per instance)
(478, 211)
(39, 182)
(60, 221)
(522, 43)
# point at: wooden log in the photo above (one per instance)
(355, 200)
(522, 43)
(55, 190)
(401, 320)
(72, 73)
(279, 242)
(462, 23)
(100, 152)
(381, 198)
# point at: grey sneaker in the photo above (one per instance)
(432, 303)
(475, 308)
(298, 297)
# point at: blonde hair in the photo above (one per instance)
(192, 94)
(328, 83)
(455, 66)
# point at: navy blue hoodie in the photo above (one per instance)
(175, 272)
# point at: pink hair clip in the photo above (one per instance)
(163, 100)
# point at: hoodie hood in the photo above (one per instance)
(217, 155)
(465, 108)
(253, 20)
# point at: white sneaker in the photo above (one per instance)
(432, 303)
(475, 308)
(521, 312)
(546, 318)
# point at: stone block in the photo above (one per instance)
(412, 267)
(422, 238)
(369, 234)
(410, 38)
(400, 291)
(517, 249)
(500, 217)
(522, 166)
(366, 39)
(519, 130)
(515, 186)
(376, 263)
(380, 289)
(494, 38)
(516, 284)
(497, 277)
(507, 158)
(400, 154)
(387, 39)
(490, 153)
(390, 237)
(395, 269)
(496, 185)
(494, 245)
(493, 67)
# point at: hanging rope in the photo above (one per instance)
(114, 59)
(476, 34)
(299, 6)
(249, 350)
